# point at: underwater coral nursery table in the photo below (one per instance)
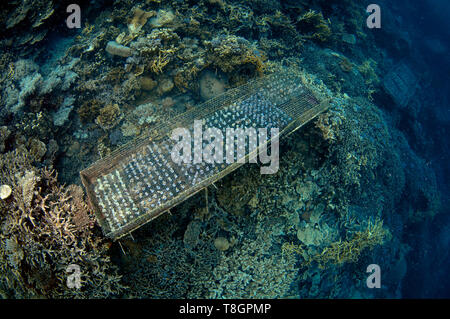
(139, 181)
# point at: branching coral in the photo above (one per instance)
(345, 65)
(328, 126)
(158, 63)
(44, 228)
(89, 110)
(344, 251)
(250, 272)
(236, 57)
(109, 116)
(313, 26)
(367, 69)
(155, 51)
(185, 77)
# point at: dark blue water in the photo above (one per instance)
(427, 25)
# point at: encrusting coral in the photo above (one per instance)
(89, 111)
(109, 116)
(139, 19)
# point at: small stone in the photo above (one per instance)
(221, 243)
(5, 191)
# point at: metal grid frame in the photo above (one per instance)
(122, 209)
